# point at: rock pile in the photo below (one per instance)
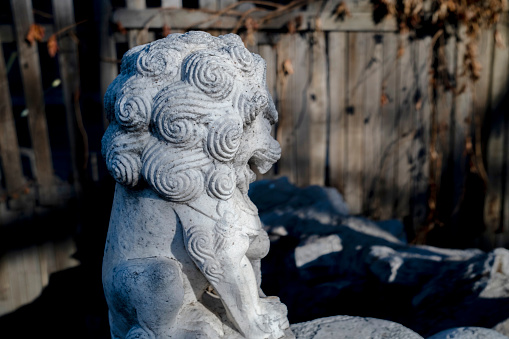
(325, 262)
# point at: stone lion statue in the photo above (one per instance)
(188, 116)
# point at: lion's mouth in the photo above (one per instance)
(264, 159)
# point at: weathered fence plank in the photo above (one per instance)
(316, 98)
(32, 273)
(63, 11)
(171, 3)
(47, 261)
(494, 213)
(357, 65)
(268, 53)
(293, 63)
(372, 118)
(208, 4)
(407, 87)
(6, 299)
(460, 128)
(9, 149)
(420, 188)
(504, 30)
(108, 54)
(136, 37)
(34, 98)
(337, 96)
(386, 194)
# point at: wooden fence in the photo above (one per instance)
(34, 190)
(354, 101)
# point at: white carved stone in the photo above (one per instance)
(188, 116)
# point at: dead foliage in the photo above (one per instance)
(35, 33)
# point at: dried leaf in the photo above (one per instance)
(401, 51)
(342, 11)
(35, 33)
(166, 30)
(418, 104)
(251, 27)
(499, 40)
(291, 27)
(318, 24)
(287, 67)
(52, 45)
(298, 21)
(121, 28)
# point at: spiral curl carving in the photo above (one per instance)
(180, 130)
(176, 176)
(125, 168)
(231, 39)
(180, 186)
(249, 108)
(224, 138)
(161, 61)
(221, 183)
(133, 112)
(122, 154)
(243, 58)
(211, 74)
(200, 246)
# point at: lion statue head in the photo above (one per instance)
(188, 114)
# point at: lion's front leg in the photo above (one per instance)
(219, 250)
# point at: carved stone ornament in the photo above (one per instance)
(188, 115)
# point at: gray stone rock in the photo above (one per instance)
(324, 262)
(468, 333)
(347, 327)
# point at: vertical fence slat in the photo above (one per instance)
(503, 238)
(9, 149)
(482, 86)
(17, 280)
(5, 287)
(224, 3)
(406, 126)
(317, 113)
(208, 4)
(136, 37)
(481, 104)
(372, 119)
(292, 59)
(46, 261)
(32, 273)
(460, 126)
(171, 3)
(386, 193)
(268, 53)
(63, 11)
(494, 204)
(355, 121)
(34, 98)
(337, 91)
(422, 140)
(108, 54)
